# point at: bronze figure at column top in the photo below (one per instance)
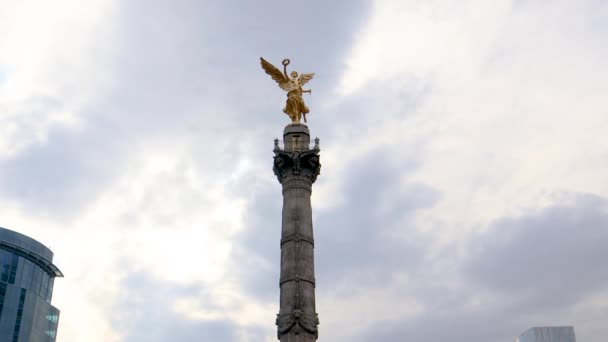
(295, 107)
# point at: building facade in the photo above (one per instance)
(548, 334)
(27, 277)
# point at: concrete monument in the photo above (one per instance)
(296, 166)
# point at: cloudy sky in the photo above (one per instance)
(463, 195)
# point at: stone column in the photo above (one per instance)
(297, 166)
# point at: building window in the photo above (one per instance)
(5, 258)
(19, 315)
(49, 294)
(52, 318)
(2, 296)
(13, 271)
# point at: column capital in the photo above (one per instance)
(296, 165)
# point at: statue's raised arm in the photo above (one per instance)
(275, 73)
(295, 107)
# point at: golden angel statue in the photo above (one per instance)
(294, 106)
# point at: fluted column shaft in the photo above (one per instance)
(297, 167)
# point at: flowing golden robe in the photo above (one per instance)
(295, 106)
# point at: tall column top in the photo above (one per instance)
(296, 128)
(296, 137)
(296, 158)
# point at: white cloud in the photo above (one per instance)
(158, 219)
(51, 53)
(515, 107)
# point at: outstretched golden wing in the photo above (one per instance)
(275, 73)
(304, 78)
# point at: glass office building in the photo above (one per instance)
(27, 276)
(548, 334)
